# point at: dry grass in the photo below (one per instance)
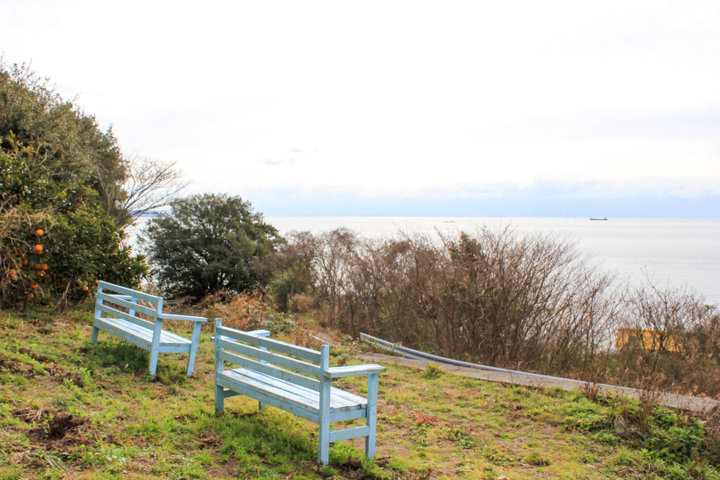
(74, 410)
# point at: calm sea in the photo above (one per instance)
(674, 253)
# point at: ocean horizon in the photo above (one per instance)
(677, 253)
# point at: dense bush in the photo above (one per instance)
(492, 297)
(208, 243)
(66, 143)
(501, 299)
(56, 238)
(62, 175)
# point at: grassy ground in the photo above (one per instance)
(69, 409)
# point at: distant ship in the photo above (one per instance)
(598, 218)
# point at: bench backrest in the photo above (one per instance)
(121, 302)
(299, 365)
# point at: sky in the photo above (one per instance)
(456, 108)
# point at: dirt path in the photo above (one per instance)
(682, 402)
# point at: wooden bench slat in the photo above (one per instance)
(270, 369)
(127, 327)
(111, 300)
(115, 313)
(271, 344)
(235, 387)
(339, 399)
(281, 360)
(348, 433)
(114, 329)
(166, 338)
(105, 286)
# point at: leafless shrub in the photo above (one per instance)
(667, 340)
(523, 302)
(149, 185)
(332, 255)
(241, 311)
(301, 303)
(490, 297)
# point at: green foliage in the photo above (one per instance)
(80, 242)
(432, 371)
(208, 243)
(57, 233)
(663, 442)
(292, 265)
(295, 278)
(65, 139)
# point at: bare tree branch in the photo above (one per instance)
(149, 185)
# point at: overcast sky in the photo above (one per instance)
(403, 108)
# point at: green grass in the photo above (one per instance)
(69, 409)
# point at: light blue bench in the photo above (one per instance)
(118, 311)
(297, 380)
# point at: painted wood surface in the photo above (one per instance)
(295, 379)
(118, 310)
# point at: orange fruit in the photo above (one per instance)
(31, 296)
(37, 266)
(38, 249)
(39, 232)
(25, 263)
(44, 266)
(35, 285)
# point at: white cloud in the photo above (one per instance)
(394, 98)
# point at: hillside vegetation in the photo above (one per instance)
(69, 409)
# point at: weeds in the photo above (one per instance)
(91, 411)
(432, 371)
(662, 441)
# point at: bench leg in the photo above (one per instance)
(94, 336)
(324, 450)
(219, 400)
(324, 447)
(154, 354)
(261, 405)
(191, 360)
(371, 414)
(194, 348)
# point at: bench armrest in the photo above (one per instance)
(350, 370)
(191, 318)
(258, 333)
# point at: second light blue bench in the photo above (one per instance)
(295, 379)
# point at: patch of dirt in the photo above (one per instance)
(224, 470)
(426, 475)
(61, 425)
(34, 355)
(55, 429)
(15, 366)
(211, 439)
(54, 435)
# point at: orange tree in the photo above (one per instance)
(57, 229)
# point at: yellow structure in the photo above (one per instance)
(646, 339)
